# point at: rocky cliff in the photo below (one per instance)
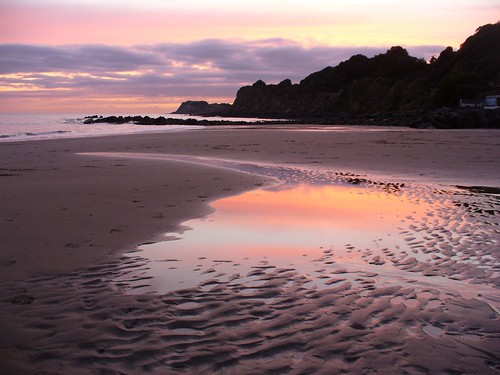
(359, 85)
(203, 108)
(392, 84)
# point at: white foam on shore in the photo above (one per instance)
(25, 127)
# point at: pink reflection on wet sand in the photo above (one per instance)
(287, 226)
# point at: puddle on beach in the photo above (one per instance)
(325, 273)
(325, 227)
(307, 228)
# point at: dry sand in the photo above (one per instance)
(67, 220)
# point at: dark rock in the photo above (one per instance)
(203, 108)
(465, 118)
(191, 107)
(391, 88)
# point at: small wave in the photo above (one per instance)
(34, 127)
(31, 135)
(49, 132)
(78, 120)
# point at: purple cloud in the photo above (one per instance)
(207, 68)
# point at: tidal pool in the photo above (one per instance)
(310, 229)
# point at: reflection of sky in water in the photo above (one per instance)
(302, 217)
(288, 227)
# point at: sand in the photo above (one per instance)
(69, 218)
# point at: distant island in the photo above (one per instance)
(458, 89)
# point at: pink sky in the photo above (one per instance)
(148, 56)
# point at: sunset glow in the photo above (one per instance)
(284, 226)
(319, 207)
(290, 221)
(163, 52)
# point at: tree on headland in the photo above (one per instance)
(391, 83)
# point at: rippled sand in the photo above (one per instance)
(424, 303)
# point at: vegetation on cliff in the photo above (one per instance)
(392, 84)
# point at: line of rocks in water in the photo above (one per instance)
(443, 118)
(161, 120)
(377, 120)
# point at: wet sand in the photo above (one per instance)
(68, 221)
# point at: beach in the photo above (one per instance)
(73, 210)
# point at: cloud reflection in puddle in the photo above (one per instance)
(305, 227)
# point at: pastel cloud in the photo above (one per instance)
(162, 73)
(149, 55)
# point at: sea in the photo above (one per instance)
(25, 127)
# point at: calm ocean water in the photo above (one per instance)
(22, 127)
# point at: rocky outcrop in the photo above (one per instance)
(146, 120)
(392, 83)
(452, 118)
(203, 108)
(261, 100)
(393, 86)
(360, 85)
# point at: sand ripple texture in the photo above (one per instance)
(428, 308)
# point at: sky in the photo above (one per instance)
(147, 56)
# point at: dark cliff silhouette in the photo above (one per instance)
(391, 85)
